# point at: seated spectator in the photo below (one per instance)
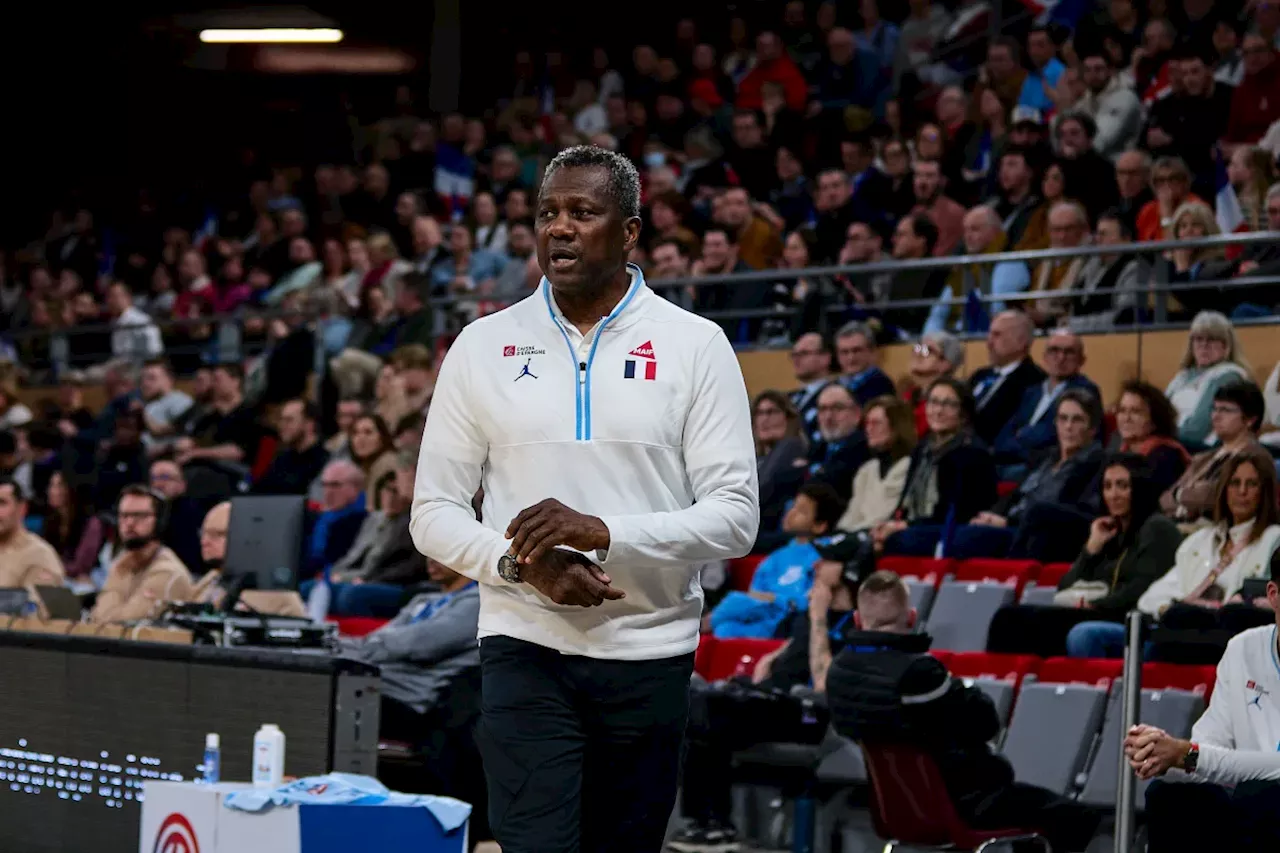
(229, 431)
(1111, 283)
(349, 408)
(162, 406)
(1114, 107)
(300, 458)
(147, 574)
(135, 336)
(1147, 424)
(1253, 102)
(1211, 565)
(983, 235)
(758, 241)
(886, 688)
(413, 366)
(914, 239)
(1031, 430)
(13, 413)
(1171, 182)
(343, 512)
(999, 388)
(857, 355)
(718, 727)
(213, 554)
(408, 434)
(928, 184)
(720, 257)
(1212, 359)
(843, 448)
(937, 355)
(1090, 177)
(25, 558)
(1193, 221)
(183, 512)
(1129, 547)
(780, 462)
(952, 476)
(811, 364)
(1068, 226)
(1262, 259)
(877, 487)
(781, 583)
(115, 463)
(1226, 773)
(72, 527)
(373, 450)
(1237, 414)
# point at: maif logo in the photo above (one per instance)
(176, 836)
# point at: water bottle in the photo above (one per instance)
(212, 766)
(746, 667)
(268, 756)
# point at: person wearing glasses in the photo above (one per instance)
(998, 388)
(1171, 183)
(856, 354)
(147, 574)
(938, 354)
(1213, 358)
(1031, 429)
(811, 364)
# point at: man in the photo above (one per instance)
(999, 387)
(300, 457)
(811, 364)
(1133, 179)
(1091, 176)
(669, 258)
(1263, 259)
(147, 574)
(1002, 71)
(886, 687)
(585, 709)
(183, 512)
(982, 236)
(229, 431)
(857, 355)
(162, 406)
(914, 239)
(1068, 229)
(834, 205)
(342, 513)
(25, 558)
(1189, 123)
(720, 257)
(349, 408)
(1113, 106)
(1111, 282)
(759, 243)
(1254, 106)
(413, 365)
(927, 182)
(1017, 198)
(512, 283)
(842, 446)
(864, 244)
(1046, 68)
(1226, 774)
(1032, 430)
(136, 337)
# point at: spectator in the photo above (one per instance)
(489, 233)
(1254, 105)
(950, 480)
(163, 406)
(1133, 179)
(749, 157)
(924, 27)
(300, 458)
(13, 413)
(408, 434)
(183, 513)
(136, 336)
(864, 244)
(720, 257)
(780, 459)
(229, 432)
(857, 354)
(1089, 176)
(1113, 106)
(428, 250)
(915, 238)
(513, 283)
(772, 64)
(1046, 68)
(1263, 259)
(1111, 283)
(25, 558)
(349, 408)
(466, 270)
(1188, 123)
(938, 354)
(147, 574)
(792, 198)
(1147, 425)
(1191, 221)
(1016, 199)
(1251, 172)
(877, 487)
(72, 528)
(886, 665)
(1237, 414)
(372, 449)
(900, 191)
(114, 463)
(835, 211)
(1213, 358)
(981, 156)
(1226, 44)
(759, 244)
(946, 214)
(342, 514)
(1068, 229)
(811, 365)
(999, 388)
(843, 446)
(781, 583)
(982, 236)
(1002, 71)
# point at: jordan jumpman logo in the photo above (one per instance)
(525, 371)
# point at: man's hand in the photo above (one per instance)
(546, 524)
(990, 519)
(569, 578)
(1152, 752)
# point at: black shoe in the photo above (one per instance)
(713, 837)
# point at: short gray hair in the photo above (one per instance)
(949, 345)
(624, 180)
(854, 327)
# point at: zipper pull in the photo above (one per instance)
(582, 372)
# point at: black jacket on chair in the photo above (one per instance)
(997, 407)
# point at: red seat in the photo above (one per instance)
(742, 570)
(943, 655)
(999, 666)
(910, 803)
(1052, 573)
(1004, 488)
(702, 657)
(921, 568)
(1015, 572)
(727, 655)
(265, 455)
(357, 626)
(1100, 671)
(1197, 679)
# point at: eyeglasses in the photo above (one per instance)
(1060, 352)
(852, 350)
(768, 412)
(947, 403)
(833, 408)
(924, 350)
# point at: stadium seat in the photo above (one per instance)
(1052, 573)
(702, 657)
(1004, 488)
(1033, 593)
(910, 803)
(727, 655)
(1017, 572)
(943, 655)
(357, 626)
(962, 613)
(1192, 678)
(1097, 671)
(922, 595)
(1002, 667)
(742, 570)
(1052, 732)
(924, 568)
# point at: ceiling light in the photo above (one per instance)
(273, 35)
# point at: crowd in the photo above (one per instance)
(305, 310)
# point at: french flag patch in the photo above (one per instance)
(644, 353)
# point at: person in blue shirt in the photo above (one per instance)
(1046, 68)
(781, 583)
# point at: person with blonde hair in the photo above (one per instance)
(1213, 358)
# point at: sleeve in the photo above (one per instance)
(1006, 279)
(86, 556)
(1155, 553)
(160, 587)
(454, 450)
(1085, 568)
(1214, 729)
(1167, 589)
(719, 458)
(1197, 425)
(443, 635)
(766, 574)
(939, 313)
(1223, 766)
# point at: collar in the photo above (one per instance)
(622, 315)
(1002, 372)
(1241, 531)
(886, 641)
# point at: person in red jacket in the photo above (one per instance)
(772, 64)
(1255, 104)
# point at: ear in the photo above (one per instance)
(631, 228)
(1273, 595)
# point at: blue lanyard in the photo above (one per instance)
(428, 611)
(837, 630)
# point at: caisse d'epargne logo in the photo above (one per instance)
(176, 836)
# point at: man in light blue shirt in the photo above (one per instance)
(1046, 68)
(983, 235)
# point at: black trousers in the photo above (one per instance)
(1068, 825)
(581, 755)
(1035, 629)
(1185, 816)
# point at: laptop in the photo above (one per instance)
(60, 603)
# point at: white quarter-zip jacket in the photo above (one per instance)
(1239, 733)
(643, 422)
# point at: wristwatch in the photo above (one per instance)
(509, 568)
(1191, 759)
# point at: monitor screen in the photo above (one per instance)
(264, 542)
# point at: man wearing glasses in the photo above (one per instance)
(147, 574)
(811, 363)
(856, 353)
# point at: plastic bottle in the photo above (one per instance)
(268, 756)
(212, 767)
(746, 667)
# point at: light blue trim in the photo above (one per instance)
(637, 282)
(1274, 661)
(573, 358)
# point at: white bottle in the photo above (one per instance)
(268, 756)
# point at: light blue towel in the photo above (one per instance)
(347, 789)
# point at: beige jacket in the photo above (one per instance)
(129, 596)
(28, 560)
(874, 497)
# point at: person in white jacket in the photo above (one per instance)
(1114, 107)
(611, 433)
(1233, 753)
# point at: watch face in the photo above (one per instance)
(509, 569)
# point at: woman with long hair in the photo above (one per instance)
(780, 454)
(1213, 358)
(877, 487)
(373, 449)
(1252, 171)
(72, 527)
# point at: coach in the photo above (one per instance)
(610, 431)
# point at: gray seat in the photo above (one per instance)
(1175, 711)
(922, 595)
(962, 613)
(1052, 733)
(1036, 594)
(1000, 693)
(843, 765)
